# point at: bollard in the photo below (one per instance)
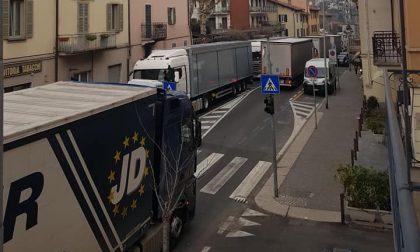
(355, 154)
(360, 120)
(352, 157)
(343, 217)
(356, 145)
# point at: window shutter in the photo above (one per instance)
(285, 18)
(29, 19)
(5, 16)
(86, 17)
(174, 15)
(121, 17)
(169, 16)
(108, 17)
(83, 18)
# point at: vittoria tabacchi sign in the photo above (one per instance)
(22, 69)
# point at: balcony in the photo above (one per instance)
(220, 10)
(154, 31)
(77, 43)
(259, 9)
(386, 48)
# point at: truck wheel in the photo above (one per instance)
(235, 90)
(243, 86)
(206, 103)
(176, 228)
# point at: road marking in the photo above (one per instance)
(218, 112)
(206, 249)
(248, 184)
(239, 233)
(205, 127)
(208, 121)
(226, 225)
(299, 105)
(247, 223)
(249, 212)
(223, 176)
(210, 117)
(304, 110)
(207, 163)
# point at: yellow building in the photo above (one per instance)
(93, 40)
(28, 43)
(313, 21)
(291, 19)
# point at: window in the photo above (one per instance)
(83, 17)
(283, 18)
(19, 16)
(115, 17)
(173, 45)
(114, 73)
(81, 77)
(171, 16)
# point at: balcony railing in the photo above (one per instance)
(259, 9)
(221, 10)
(154, 31)
(386, 48)
(76, 43)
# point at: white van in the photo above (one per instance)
(320, 79)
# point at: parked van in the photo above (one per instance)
(320, 79)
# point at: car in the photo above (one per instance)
(343, 59)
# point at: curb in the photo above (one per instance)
(265, 199)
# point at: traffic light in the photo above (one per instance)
(269, 105)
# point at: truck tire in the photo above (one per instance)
(206, 103)
(235, 90)
(243, 86)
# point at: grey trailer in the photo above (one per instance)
(287, 58)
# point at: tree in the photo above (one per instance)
(205, 9)
(175, 175)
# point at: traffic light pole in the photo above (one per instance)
(273, 126)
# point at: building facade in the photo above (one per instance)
(157, 25)
(313, 21)
(29, 55)
(93, 40)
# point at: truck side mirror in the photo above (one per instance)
(197, 132)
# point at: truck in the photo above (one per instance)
(204, 72)
(256, 55)
(318, 82)
(85, 163)
(332, 42)
(286, 58)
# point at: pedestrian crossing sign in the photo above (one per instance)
(169, 86)
(270, 84)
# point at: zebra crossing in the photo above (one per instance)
(212, 118)
(244, 189)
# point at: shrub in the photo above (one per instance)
(372, 103)
(365, 188)
(375, 120)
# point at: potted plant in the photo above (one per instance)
(374, 119)
(90, 37)
(63, 39)
(366, 193)
(104, 35)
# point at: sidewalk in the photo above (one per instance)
(307, 187)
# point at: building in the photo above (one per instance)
(219, 21)
(157, 25)
(29, 55)
(251, 15)
(290, 18)
(92, 40)
(314, 23)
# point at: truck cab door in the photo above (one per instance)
(181, 82)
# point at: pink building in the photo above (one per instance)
(157, 25)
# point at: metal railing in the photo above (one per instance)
(406, 230)
(221, 10)
(259, 9)
(154, 31)
(76, 43)
(386, 48)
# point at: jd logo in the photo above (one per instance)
(133, 166)
(28, 206)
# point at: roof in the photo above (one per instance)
(314, 8)
(290, 6)
(35, 110)
(291, 40)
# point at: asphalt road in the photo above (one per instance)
(245, 132)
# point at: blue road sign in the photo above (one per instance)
(169, 86)
(312, 72)
(270, 84)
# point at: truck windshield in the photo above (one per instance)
(321, 72)
(151, 74)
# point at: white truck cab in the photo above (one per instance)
(319, 80)
(163, 65)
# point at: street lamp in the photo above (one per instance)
(325, 55)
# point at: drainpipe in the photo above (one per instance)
(406, 99)
(1, 125)
(368, 43)
(129, 40)
(56, 42)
